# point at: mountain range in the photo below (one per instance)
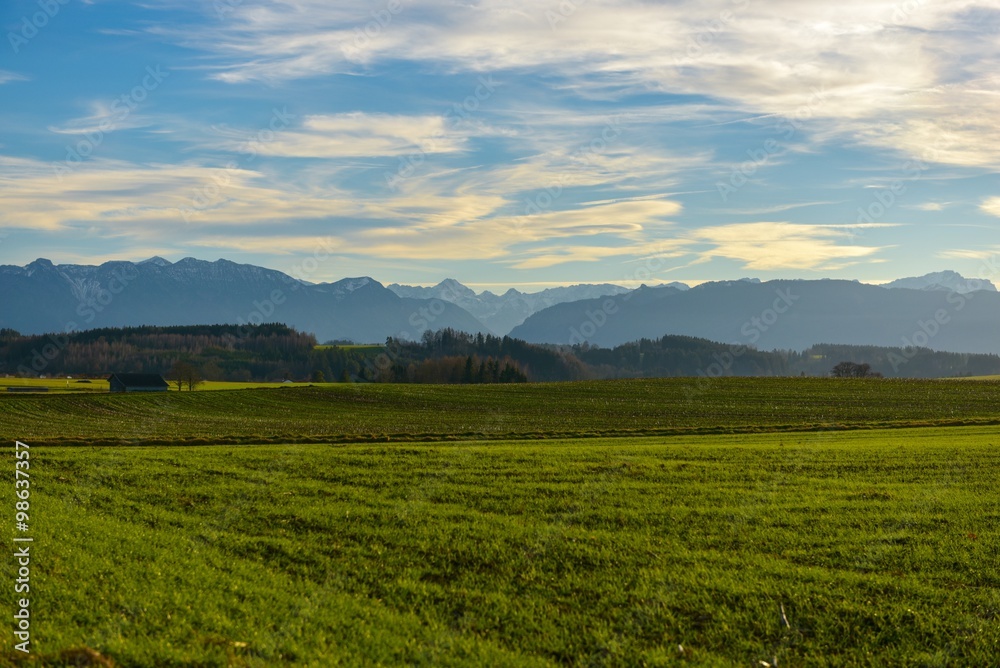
(780, 314)
(43, 297)
(942, 311)
(502, 313)
(943, 280)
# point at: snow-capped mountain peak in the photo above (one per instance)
(943, 280)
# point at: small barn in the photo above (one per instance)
(137, 382)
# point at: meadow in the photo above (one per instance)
(54, 385)
(861, 548)
(74, 385)
(380, 412)
(757, 522)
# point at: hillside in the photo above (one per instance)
(389, 412)
(787, 315)
(274, 352)
(501, 313)
(42, 297)
(942, 311)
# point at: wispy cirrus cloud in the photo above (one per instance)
(768, 246)
(527, 135)
(988, 255)
(110, 194)
(102, 118)
(566, 254)
(543, 239)
(991, 206)
(358, 134)
(114, 197)
(879, 72)
(931, 206)
(7, 77)
(778, 208)
(272, 244)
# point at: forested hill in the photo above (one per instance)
(272, 352)
(224, 352)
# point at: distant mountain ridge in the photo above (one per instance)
(501, 313)
(943, 280)
(42, 297)
(783, 314)
(941, 311)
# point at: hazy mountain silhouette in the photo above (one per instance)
(943, 280)
(779, 314)
(501, 313)
(788, 314)
(43, 297)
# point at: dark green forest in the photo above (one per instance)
(267, 352)
(274, 352)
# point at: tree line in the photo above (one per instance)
(274, 352)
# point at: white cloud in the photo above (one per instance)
(991, 206)
(7, 77)
(777, 208)
(640, 198)
(114, 195)
(150, 203)
(534, 241)
(768, 246)
(564, 254)
(874, 71)
(969, 254)
(277, 245)
(362, 135)
(102, 118)
(931, 206)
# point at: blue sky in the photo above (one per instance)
(508, 142)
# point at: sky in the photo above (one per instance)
(505, 143)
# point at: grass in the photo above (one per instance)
(215, 385)
(71, 385)
(95, 385)
(352, 346)
(780, 522)
(864, 548)
(355, 412)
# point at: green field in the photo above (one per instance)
(356, 412)
(860, 548)
(215, 385)
(90, 385)
(627, 523)
(352, 346)
(71, 385)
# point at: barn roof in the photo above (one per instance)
(139, 379)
